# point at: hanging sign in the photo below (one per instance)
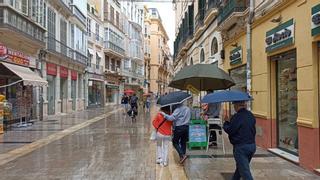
(63, 72)
(51, 69)
(192, 89)
(74, 75)
(315, 18)
(236, 55)
(280, 37)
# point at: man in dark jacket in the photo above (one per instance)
(241, 129)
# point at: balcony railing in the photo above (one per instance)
(95, 38)
(95, 68)
(57, 47)
(200, 18)
(112, 46)
(212, 4)
(19, 23)
(231, 7)
(78, 14)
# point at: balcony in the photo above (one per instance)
(64, 5)
(59, 49)
(16, 27)
(79, 17)
(95, 68)
(95, 39)
(113, 48)
(212, 11)
(231, 13)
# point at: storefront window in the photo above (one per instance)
(287, 102)
(240, 79)
(95, 92)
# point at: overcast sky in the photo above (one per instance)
(168, 19)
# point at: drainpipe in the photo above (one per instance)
(249, 49)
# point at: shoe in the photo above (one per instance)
(183, 159)
(159, 161)
(164, 164)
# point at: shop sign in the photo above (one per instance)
(236, 55)
(74, 75)
(51, 69)
(96, 76)
(13, 56)
(63, 72)
(280, 37)
(315, 18)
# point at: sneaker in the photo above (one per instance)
(159, 161)
(164, 164)
(183, 159)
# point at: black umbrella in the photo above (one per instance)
(173, 98)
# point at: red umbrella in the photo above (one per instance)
(129, 91)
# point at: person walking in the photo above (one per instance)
(124, 102)
(148, 103)
(242, 131)
(164, 132)
(181, 118)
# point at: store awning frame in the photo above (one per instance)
(28, 77)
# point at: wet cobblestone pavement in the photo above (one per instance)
(104, 144)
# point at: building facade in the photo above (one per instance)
(114, 51)
(159, 53)
(22, 40)
(66, 58)
(277, 62)
(133, 66)
(96, 88)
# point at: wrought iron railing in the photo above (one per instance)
(231, 7)
(112, 46)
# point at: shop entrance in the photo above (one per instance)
(286, 79)
(64, 94)
(51, 94)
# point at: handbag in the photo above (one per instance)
(153, 135)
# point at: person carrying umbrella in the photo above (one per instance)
(241, 128)
(181, 117)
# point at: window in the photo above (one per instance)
(63, 36)
(214, 46)
(98, 60)
(89, 59)
(107, 62)
(159, 57)
(24, 7)
(51, 29)
(89, 26)
(202, 56)
(105, 10)
(117, 19)
(191, 62)
(159, 43)
(97, 31)
(111, 14)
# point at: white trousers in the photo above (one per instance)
(163, 147)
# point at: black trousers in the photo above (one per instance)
(180, 139)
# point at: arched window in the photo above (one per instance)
(202, 56)
(191, 62)
(214, 46)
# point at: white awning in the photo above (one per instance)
(28, 77)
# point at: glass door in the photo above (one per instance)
(287, 103)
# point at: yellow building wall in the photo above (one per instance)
(307, 65)
(263, 71)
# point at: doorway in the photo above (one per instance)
(51, 94)
(286, 99)
(64, 94)
(73, 94)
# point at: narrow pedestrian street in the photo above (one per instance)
(103, 144)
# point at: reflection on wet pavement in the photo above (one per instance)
(112, 148)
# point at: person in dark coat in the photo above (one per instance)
(241, 128)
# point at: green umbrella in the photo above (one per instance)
(203, 77)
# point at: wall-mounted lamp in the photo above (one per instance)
(234, 45)
(277, 19)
